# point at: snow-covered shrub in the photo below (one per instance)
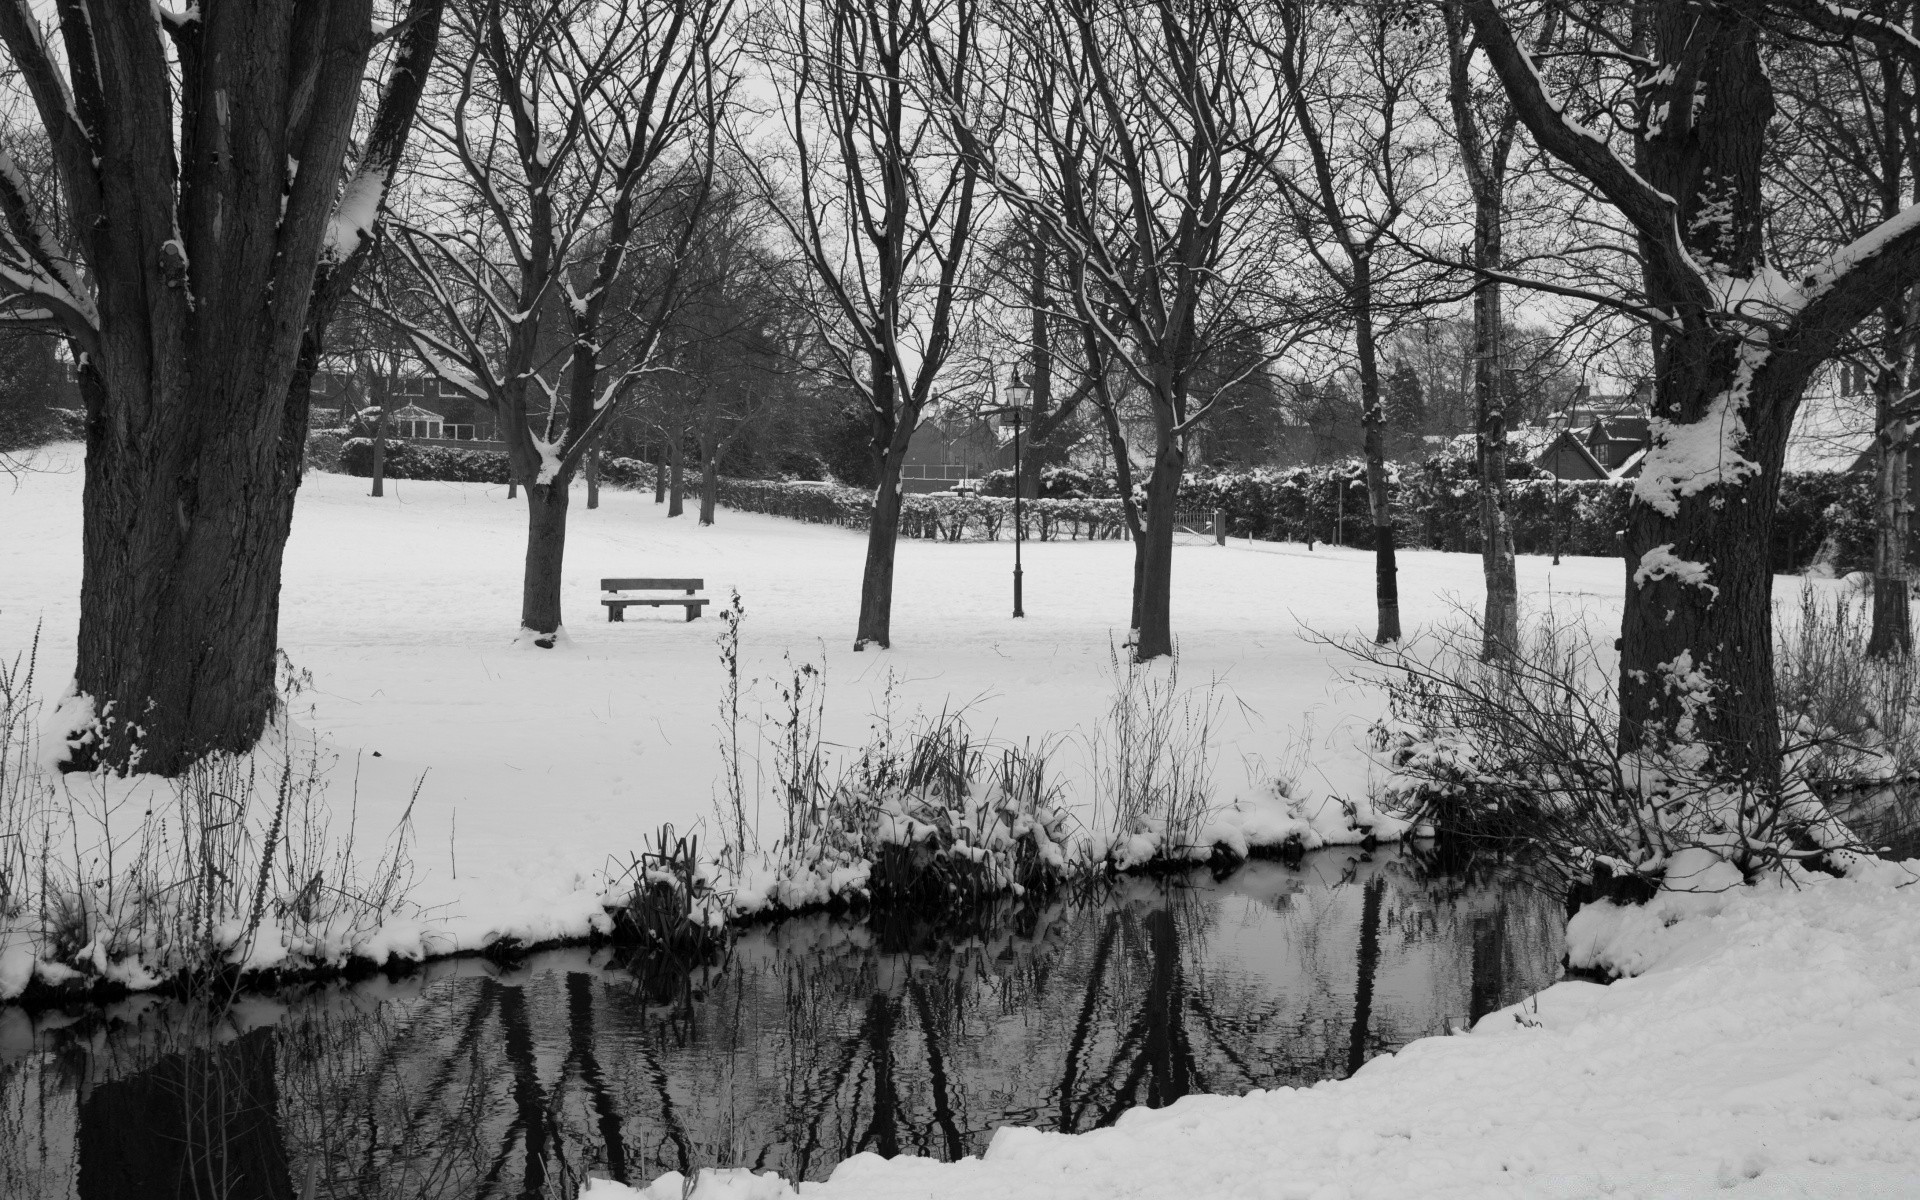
(1527, 753)
(411, 460)
(232, 867)
(323, 450)
(671, 904)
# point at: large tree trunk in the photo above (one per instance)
(546, 553)
(593, 479)
(1153, 556)
(201, 248)
(1696, 663)
(876, 581)
(891, 434)
(1386, 578)
(180, 581)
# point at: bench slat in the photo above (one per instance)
(691, 602)
(616, 585)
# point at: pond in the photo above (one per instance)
(812, 1040)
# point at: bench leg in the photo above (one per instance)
(693, 610)
(616, 612)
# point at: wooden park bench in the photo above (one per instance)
(612, 595)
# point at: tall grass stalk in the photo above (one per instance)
(1153, 757)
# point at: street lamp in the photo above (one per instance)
(1018, 393)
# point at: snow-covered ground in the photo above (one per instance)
(1771, 1046)
(1771, 1049)
(545, 768)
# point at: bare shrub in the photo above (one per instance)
(234, 865)
(1526, 753)
(1153, 760)
(1855, 718)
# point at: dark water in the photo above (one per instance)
(812, 1041)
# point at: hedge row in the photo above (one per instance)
(1821, 515)
(939, 517)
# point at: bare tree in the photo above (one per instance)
(1135, 143)
(1484, 128)
(569, 127)
(1848, 159)
(884, 211)
(1735, 338)
(1351, 74)
(199, 156)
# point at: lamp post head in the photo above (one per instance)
(1018, 394)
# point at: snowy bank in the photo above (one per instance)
(1771, 1044)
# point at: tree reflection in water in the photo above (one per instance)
(810, 1041)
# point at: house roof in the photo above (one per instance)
(408, 412)
(1568, 443)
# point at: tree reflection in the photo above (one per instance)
(815, 1039)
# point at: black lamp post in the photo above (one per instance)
(1018, 393)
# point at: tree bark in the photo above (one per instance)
(546, 551)
(380, 438)
(893, 423)
(709, 479)
(1484, 154)
(200, 252)
(593, 479)
(1892, 632)
(1041, 451)
(876, 580)
(1386, 577)
(1500, 622)
(1153, 556)
(677, 456)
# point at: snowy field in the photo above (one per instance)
(544, 767)
(1771, 1047)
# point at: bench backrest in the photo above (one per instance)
(626, 585)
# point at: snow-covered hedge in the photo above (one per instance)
(940, 516)
(410, 460)
(1822, 516)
